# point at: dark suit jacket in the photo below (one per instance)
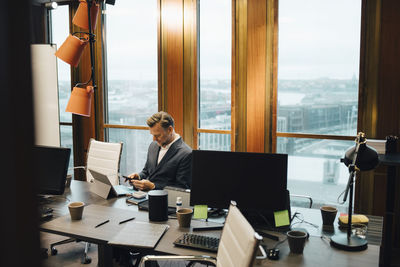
(174, 168)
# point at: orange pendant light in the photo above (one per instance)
(71, 50)
(81, 16)
(80, 101)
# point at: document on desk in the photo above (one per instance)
(139, 234)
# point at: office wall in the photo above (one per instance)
(45, 94)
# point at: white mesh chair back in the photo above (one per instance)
(238, 244)
(104, 157)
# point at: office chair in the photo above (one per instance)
(237, 247)
(103, 157)
(296, 203)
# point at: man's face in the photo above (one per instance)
(162, 136)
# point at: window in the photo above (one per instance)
(214, 95)
(132, 83)
(60, 29)
(318, 68)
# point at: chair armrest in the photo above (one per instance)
(304, 196)
(176, 258)
(264, 254)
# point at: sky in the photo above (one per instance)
(317, 38)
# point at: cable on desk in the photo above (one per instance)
(278, 243)
(297, 215)
(326, 238)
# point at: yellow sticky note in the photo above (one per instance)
(281, 218)
(200, 212)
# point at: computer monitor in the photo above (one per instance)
(51, 167)
(256, 181)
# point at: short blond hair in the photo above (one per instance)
(161, 117)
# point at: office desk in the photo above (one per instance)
(115, 210)
(317, 252)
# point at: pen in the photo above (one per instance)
(100, 224)
(127, 220)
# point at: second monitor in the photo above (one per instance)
(256, 181)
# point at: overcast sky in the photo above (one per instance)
(317, 38)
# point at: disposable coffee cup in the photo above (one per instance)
(76, 210)
(297, 241)
(184, 217)
(328, 214)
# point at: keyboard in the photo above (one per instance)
(201, 242)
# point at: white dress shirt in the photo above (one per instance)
(163, 150)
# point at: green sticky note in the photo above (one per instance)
(200, 212)
(281, 218)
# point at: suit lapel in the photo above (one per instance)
(154, 156)
(171, 151)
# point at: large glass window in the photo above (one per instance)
(60, 31)
(214, 97)
(132, 78)
(318, 69)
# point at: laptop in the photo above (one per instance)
(102, 186)
(173, 193)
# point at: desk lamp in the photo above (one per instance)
(358, 158)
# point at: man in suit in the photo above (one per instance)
(168, 158)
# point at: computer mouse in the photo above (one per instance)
(273, 254)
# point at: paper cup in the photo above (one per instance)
(76, 210)
(184, 217)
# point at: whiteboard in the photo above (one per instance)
(45, 94)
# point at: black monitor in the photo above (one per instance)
(51, 167)
(256, 181)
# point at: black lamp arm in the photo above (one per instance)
(92, 75)
(91, 35)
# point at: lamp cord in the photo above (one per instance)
(297, 215)
(338, 198)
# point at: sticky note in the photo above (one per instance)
(281, 218)
(200, 212)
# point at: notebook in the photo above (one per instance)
(103, 187)
(139, 234)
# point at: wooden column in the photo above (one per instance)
(256, 70)
(379, 110)
(172, 60)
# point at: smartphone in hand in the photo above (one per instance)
(129, 178)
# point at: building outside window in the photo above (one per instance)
(132, 79)
(318, 70)
(214, 95)
(60, 29)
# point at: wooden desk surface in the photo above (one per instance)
(94, 214)
(317, 252)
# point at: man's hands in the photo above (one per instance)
(144, 185)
